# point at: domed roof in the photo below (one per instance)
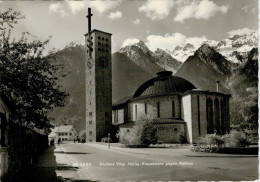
(164, 83)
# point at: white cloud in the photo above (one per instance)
(76, 6)
(128, 42)
(103, 6)
(137, 21)
(171, 41)
(199, 10)
(241, 31)
(58, 8)
(115, 15)
(66, 8)
(157, 9)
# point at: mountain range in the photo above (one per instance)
(231, 61)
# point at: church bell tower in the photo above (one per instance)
(98, 83)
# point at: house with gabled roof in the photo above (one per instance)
(64, 132)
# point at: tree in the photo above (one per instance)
(30, 81)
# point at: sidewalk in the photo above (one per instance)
(145, 151)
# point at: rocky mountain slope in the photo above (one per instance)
(205, 67)
(234, 48)
(134, 64)
(150, 61)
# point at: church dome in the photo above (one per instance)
(164, 83)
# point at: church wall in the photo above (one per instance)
(170, 133)
(199, 117)
(187, 116)
(203, 115)
(120, 114)
(152, 104)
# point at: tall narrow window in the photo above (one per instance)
(116, 116)
(135, 111)
(173, 109)
(209, 111)
(145, 108)
(2, 130)
(158, 109)
(198, 105)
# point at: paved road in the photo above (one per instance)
(98, 163)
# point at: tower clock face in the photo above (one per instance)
(103, 62)
(89, 64)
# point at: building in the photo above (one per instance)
(5, 114)
(176, 108)
(64, 132)
(98, 85)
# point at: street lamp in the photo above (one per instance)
(108, 140)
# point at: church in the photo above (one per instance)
(173, 105)
(176, 108)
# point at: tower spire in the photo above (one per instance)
(89, 20)
(89, 42)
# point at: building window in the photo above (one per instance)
(116, 116)
(145, 108)
(136, 111)
(90, 122)
(158, 109)
(66, 134)
(175, 129)
(173, 109)
(103, 38)
(90, 113)
(70, 134)
(106, 39)
(209, 111)
(98, 37)
(90, 132)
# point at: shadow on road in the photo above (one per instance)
(46, 169)
(77, 153)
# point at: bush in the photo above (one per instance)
(213, 139)
(142, 133)
(237, 139)
(234, 139)
(148, 135)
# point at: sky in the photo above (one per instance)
(159, 23)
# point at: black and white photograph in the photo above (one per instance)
(129, 90)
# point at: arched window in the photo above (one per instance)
(217, 116)
(209, 108)
(158, 109)
(223, 121)
(173, 109)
